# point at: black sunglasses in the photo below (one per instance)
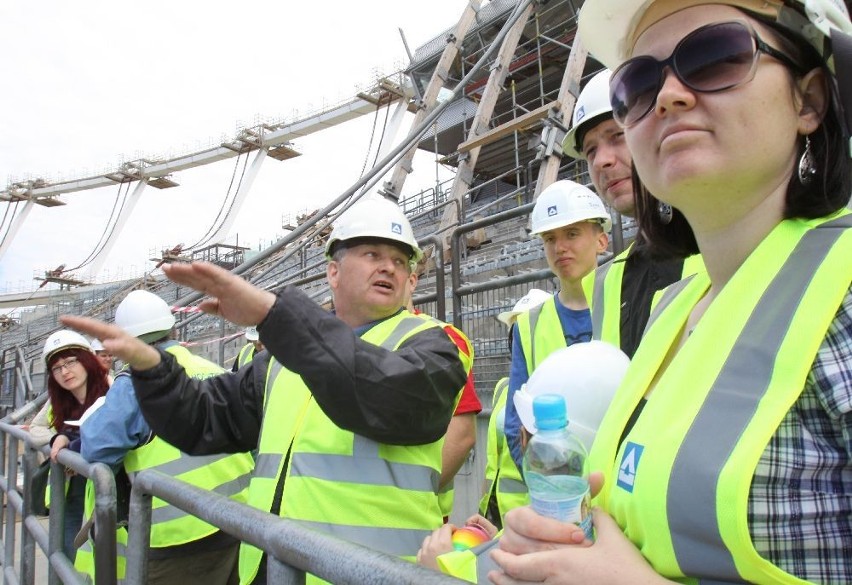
(712, 58)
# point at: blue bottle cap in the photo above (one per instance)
(550, 412)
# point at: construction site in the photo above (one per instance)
(508, 74)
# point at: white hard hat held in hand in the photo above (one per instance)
(586, 375)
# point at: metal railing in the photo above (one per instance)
(291, 550)
(21, 523)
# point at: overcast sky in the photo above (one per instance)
(90, 84)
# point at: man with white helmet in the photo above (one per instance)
(183, 549)
(572, 224)
(249, 350)
(621, 291)
(360, 398)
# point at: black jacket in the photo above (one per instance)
(403, 397)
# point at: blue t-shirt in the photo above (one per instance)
(577, 327)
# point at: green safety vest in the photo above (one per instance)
(226, 474)
(503, 479)
(246, 355)
(540, 333)
(472, 564)
(679, 484)
(378, 495)
(603, 291)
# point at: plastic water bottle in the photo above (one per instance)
(553, 466)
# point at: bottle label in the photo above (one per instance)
(565, 498)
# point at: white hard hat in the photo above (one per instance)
(97, 345)
(374, 217)
(251, 334)
(592, 107)
(63, 339)
(142, 313)
(89, 412)
(565, 202)
(533, 298)
(609, 28)
(586, 375)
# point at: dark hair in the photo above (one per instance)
(827, 193)
(63, 404)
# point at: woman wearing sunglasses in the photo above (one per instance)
(727, 453)
(75, 379)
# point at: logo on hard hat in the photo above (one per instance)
(552, 211)
(396, 228)
(579, 114)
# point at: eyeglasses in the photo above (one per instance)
(712, 58)
(67, 365)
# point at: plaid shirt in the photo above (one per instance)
(800, 507)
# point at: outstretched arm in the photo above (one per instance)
(230, 296)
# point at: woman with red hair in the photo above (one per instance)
(75, 379)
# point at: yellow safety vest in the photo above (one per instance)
(501, 474)
(246, 355)
(226, 474)
(540, 332)
(679, 483)
(378, 495)
(603, 292)
(472, 564)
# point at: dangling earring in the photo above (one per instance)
(665, 212)
(807, 168)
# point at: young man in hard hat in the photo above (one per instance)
(253, 346)
(621, 291)
(572, 224)
(183, 549)
(360, 399)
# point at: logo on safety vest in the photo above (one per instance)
(551, 211)
(396, 228)
(629, 465)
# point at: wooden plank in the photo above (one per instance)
(519, 123)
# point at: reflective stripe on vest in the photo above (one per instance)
(682, 476)
(540, 332)
(606, 325)
(382, 496)
(606, 301)
(84, 562)
(495, 438)
(509, 488)
(246, 355)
